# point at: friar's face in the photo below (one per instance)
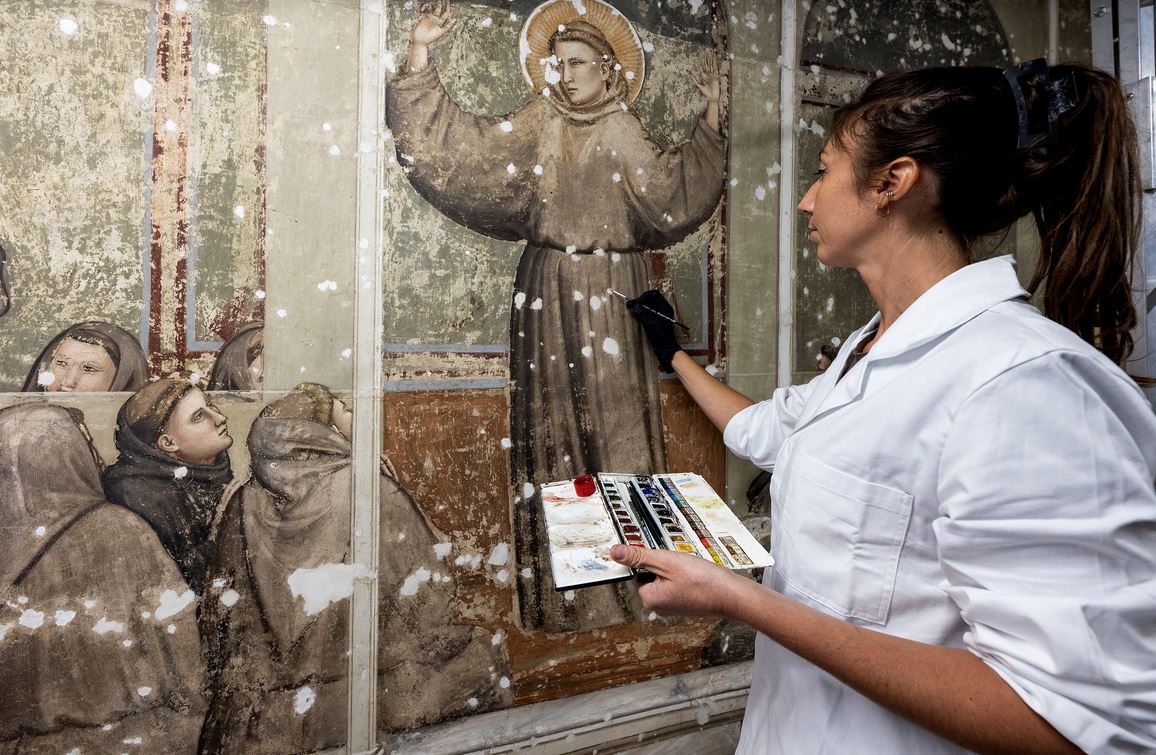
(196, 432)
(79, 366)
(584, 73)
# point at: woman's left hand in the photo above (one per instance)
(709, 81)
(684, 585)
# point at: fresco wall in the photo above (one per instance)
(185, 173)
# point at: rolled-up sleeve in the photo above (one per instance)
(757, 432)
(1047, 539)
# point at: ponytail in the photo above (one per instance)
(1087, 210)
(1082, 186)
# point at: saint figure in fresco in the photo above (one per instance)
(89, 356)
(98, 637)
(240, 363)
(173, 469)
(275, 623)
(574, 173)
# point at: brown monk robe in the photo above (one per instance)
(275, 624)
(589, 192)
(98, 640)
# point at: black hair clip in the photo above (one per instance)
(1041, 100)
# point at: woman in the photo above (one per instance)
(575, 174)
(89, 356)
(276, 657)
(240, 363)
(98, 640)
(964, 501)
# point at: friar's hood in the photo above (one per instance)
(48, 477)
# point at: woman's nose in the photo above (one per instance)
(807, 203)
(69, 377)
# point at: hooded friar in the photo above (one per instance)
(122, 347)
(275, 622)
(98, 640)
(179, 499)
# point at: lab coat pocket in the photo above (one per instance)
(840, 539)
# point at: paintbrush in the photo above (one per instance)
(649, 309)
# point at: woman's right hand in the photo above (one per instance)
(434, 22)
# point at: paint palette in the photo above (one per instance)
(677, 512)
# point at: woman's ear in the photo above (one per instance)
(898, 178)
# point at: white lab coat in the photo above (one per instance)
(981, 479)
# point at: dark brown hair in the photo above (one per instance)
(1083, 188)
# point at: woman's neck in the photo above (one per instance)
(913, 262)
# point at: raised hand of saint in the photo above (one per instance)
(710, 84)
(435, 21)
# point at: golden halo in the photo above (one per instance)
(534, 42)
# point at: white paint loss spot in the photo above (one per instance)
(616, 177)
(506, 126)
(104, 626)
(133, 740)
(504, 682)
(500, 554)
(32, 619)
(143, 88)
(144, 691)
(519, 299)
(442, 550)
(761, 193)
(40, 531)
(212, 69)
(181, 473)
(472, 702)
(304, 700)
(68, 26)
(172, 603)
(610, 346)
(270, 20)
(587, 351)
(595, 303)
(45, 378)
(239, 211)
(511, 169)
(537, 170)
(334, 150)
(579, 296)
(506, 442)
(568, 595)
(414, 581)
(497, 639)
(324, 585)
(536, 304)
(229, 598)
(64, 618)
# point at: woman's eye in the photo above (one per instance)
(90, 368)
(60, 363)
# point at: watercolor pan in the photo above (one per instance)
(677, 512)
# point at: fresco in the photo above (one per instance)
(274, 619)
(574, 173)
(98, 636)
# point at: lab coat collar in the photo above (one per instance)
(951, 302)
(966, 293)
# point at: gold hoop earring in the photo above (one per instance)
(883, 207)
